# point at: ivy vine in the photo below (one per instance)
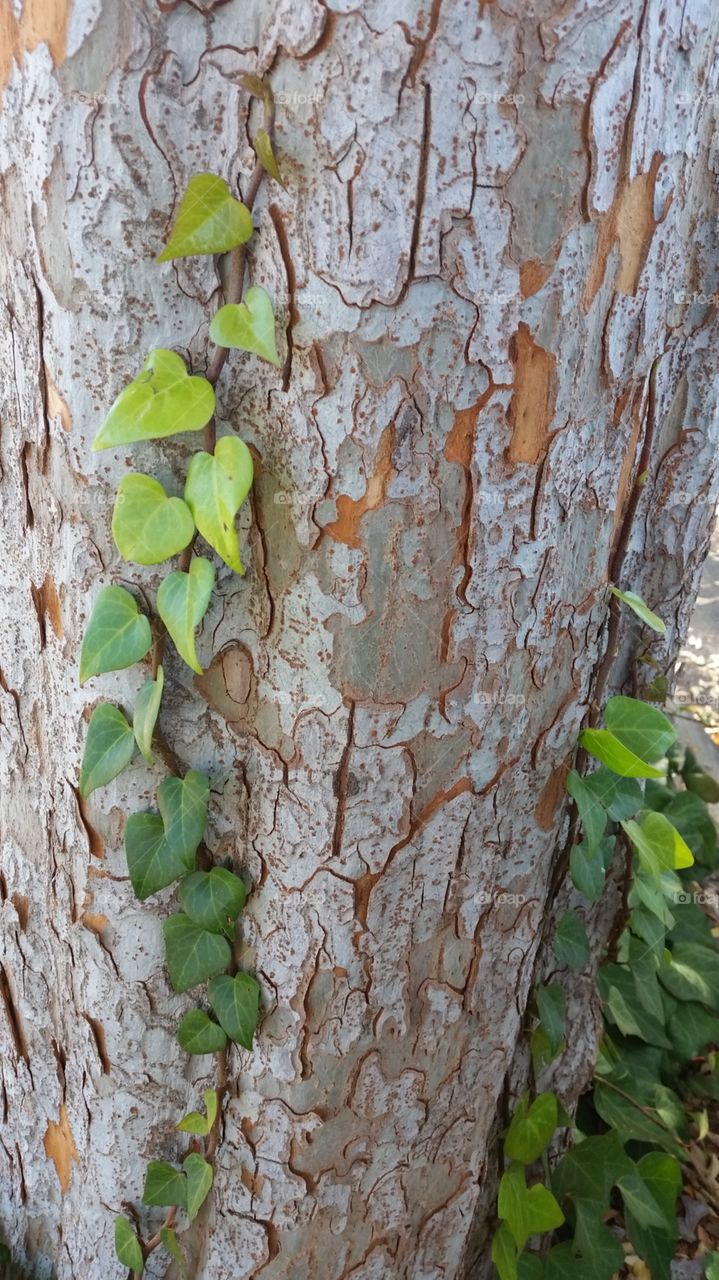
(149, 527)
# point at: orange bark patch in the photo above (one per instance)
(532, 405)
(631, 224)
(93, 921)
(551, 798)
(42, 21)
(532, 275)
(47, 603)
(56, 404)
(60, 1148)
(351, 510)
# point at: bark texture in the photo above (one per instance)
(497, 215)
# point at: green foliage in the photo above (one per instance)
(571, 946)
(236, 1002)
(548, 1036)
(198, 1172)
(527, 1211)
(213, 899)
(183, 804)
(147, 709)
(127, 1246)
(147, 526)
(164, 1185)
(197, 1033)
(531, 1128)
(217, 485)
(172, 1246)
(161, 401)
(195, 1122)
(266, 156)
(116, 636)
(182, 601)
(152, 864)
(658, 844)
(247, 326)
(637, 605)
(109, 747)
(209, 220)
(193, 955)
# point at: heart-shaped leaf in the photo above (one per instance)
(161, 401)
(164, 1185)
(209, 220)
(182, 601)
(643, 729)
(248, 325)
(266, 156)
(236, 1001)
(217, 485)
(127, 1246)
(194, 1121)
(117, 634)
(183, 805)
(527, 1210)
(197, 1033)
(151, 863)
(147, 525)
(199, 1180)
(193, 954)
(170, 1242)
(144, 716)
(213, 899)
(109, 746)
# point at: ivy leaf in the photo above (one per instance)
(147, 709)
(147, 526)
(695, 779)
(644, 730)
(217, 485)
(552, 1008)
(193, 954)
(586, 868)
(623, 1116)
(199, 1034)
(590, 1169)
(151, 863)
(164, 1185)
(691, 972)
(266, 156)
(161, 401)
(247, 326)
(183, 804)
(209, 220)
(127, 1246)
(689, 814)
(639, 1200)
(595, 1252)
(213, 899)
(195, 1122)
(117, 634)
(661, 1175)
(182, 601)
(526, 1210)
(171, 1244)
(531, 1128)
(658, 844)
(606, 747)
(504, 1253)
(236, 1003)
(199, 1181)
(629, 1005)
(109, 747)
(642, 610)
(591, 814)
(621, 797)
(570, 944)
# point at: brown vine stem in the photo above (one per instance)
(232, 293)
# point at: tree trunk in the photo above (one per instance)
(495, 219)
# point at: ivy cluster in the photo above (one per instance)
(659, 986)
(149, 527)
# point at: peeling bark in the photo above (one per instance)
(494, 221)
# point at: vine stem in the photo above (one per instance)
(232, 293)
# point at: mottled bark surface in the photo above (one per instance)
(497, 215)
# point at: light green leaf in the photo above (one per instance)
(531, 1128)
(504, 1253)
(162, 400)
(199, 1034)
(209, 220)
(570, 944)
(195, 1122)
(193, 955)
(711, 1266)
(147, 709)
(127, 1246)
(116, 636)
(213, 899)
(199, 1181)
(266, 156)
(164, 1185)
(172, 1245)
(182, 601)
(183, 804)
(604, 746)
(236, 1002)
(109, 747)
(147, 526)
(642, 729)
(658, 844)
(642, 610)
(527, 1211)
(151, 863)
(247, 326)
(217, 485)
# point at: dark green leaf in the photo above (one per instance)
(183, 804)
(590, 1169)
(552, 1007)
(109, 747)
(236, 1002)
(570, 944)
(172, 1246)
(591, 814)
(127, 1246)
(116, 636)
(692, 973)
(693, 821)
(627, 1119)
(164, 1185)
(199, 1034)
(587, 870)
(147, 709)
(213, 899)
(199, 1181)
(692, 1028)
(193, 954)
(151, 863)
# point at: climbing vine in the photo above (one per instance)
(149, 527)
(626, 1152)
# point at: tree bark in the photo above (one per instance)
(495, 219)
